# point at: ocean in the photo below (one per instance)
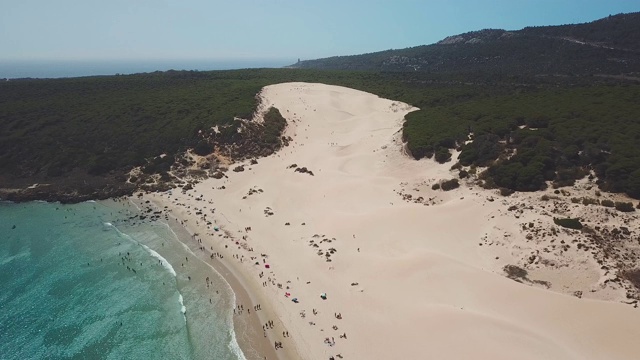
(11, 69)
(92, 281)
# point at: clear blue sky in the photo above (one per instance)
(263, 29)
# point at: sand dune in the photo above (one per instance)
(409, 278)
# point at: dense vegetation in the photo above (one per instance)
(619, 31)
(50, 127)
(527, 129)
(557, 134)
(605, 47)
(104, 123)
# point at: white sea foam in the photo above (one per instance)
(15, 257)
(151, 252)
(234, 347)
(186, 248)
(183, 309)
(233, 344)
(135, 205)
(163, 261)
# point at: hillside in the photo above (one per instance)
(608, 46)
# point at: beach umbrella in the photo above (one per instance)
(216, 228)
(323, 296)
(267, 266)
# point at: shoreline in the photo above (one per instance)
(252, 342)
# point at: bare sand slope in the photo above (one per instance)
(409, 280)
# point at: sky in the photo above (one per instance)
(263, 29)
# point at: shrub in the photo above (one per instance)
(575, 200)
(203, 148)
(563, 183)
(607, 203)
(506, 191)
(158, 165)
(442, 155)
(568, 223)
(482, 151)
(543, 283)
(449, 184)
(463, 174)
(488, 181)
(515, 272)
(589, 201)
(633, 276)
(274, 124)
(624, 206)
(435, 186)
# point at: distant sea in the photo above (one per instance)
(58, 69)
(89, 281)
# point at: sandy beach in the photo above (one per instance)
(409, 272)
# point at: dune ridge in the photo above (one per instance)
(412, 277)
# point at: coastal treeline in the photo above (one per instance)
(532, 135)
(525, 132)
(100, 124)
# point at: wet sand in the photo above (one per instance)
(248, 323)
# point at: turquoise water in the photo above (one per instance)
(90, 281)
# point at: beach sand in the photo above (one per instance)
(415, 277)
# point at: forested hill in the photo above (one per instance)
(609, 46)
